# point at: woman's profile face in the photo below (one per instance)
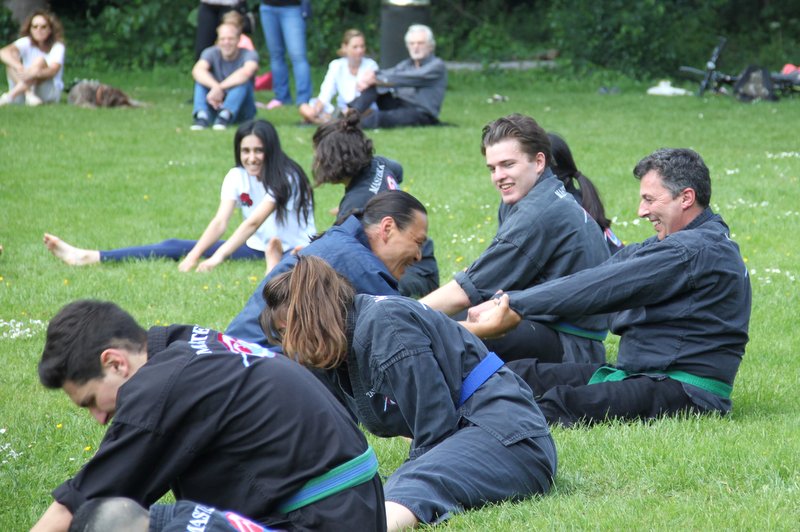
(40, 29)
(355, 49)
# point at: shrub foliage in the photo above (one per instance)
(643, 38)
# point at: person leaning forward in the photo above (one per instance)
(213, 418)
(680, 301)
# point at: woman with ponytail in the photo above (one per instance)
(343, 154)
(581, 188)
(407, 370)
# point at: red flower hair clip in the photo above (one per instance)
(244, 197)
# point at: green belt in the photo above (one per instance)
(351, 473)
(568, 328)
(719, 388)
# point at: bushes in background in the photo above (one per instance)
(641, 38)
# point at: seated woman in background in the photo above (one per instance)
(340, 80)
(35, 61)
(271, 190)
(343, 154)
(407, 370)
(585, 192)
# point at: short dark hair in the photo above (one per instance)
(524, 129)
(679, 168)
(400, 206)
(110, 513)
(341, 150)
(78, 335)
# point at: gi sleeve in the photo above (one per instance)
(426, 75)
(130, 462)
(636, 276)
(505, 265)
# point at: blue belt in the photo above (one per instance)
(479, 374)
(357, 471)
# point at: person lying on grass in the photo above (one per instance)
(211, 417)
(680, 301)
(270, 189)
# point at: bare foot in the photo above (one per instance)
(273, 253)
(70, 254)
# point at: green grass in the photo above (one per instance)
(108, 178)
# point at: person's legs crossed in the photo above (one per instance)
(273, 35)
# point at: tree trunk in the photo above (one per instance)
(22, 8)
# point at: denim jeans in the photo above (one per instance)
(285, 30)
(239, 100)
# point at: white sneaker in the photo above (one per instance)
(31, 99)
(5, 99)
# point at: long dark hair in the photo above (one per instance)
(341, 150)
(563, 165)
(313, 301)
(277, 170)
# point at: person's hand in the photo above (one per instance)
(215, 97)
(492, 318)
(297, 249)
(366, 80)
(208, 264)
(187, 265)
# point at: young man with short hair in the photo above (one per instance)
(223, 91)
(211, 417)
(543, 234)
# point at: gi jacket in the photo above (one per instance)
(682, 303)
(544, 236)
(346, 248)
(221, 421)
(404, 373)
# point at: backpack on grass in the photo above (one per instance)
(755, 84)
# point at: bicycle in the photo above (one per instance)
(717, 82)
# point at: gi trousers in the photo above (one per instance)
(565, 398)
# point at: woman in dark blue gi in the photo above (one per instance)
(343, 154)
(407, 370)
(581, 188)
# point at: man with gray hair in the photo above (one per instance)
(411, 92)
(680, 302)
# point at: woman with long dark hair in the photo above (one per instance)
(581, 188)
(407, 370)
(271, 190)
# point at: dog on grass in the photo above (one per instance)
(91, 93)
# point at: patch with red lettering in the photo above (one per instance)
(242, 524)
(391, 184)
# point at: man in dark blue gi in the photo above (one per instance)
(371, 252)
(213, 418)
(680, 302)
(543, 234)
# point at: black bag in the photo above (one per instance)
(755, 84)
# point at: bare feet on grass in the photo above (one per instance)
(70, 254)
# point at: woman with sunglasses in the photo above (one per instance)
(35, 61)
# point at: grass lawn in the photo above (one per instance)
(109, 178)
